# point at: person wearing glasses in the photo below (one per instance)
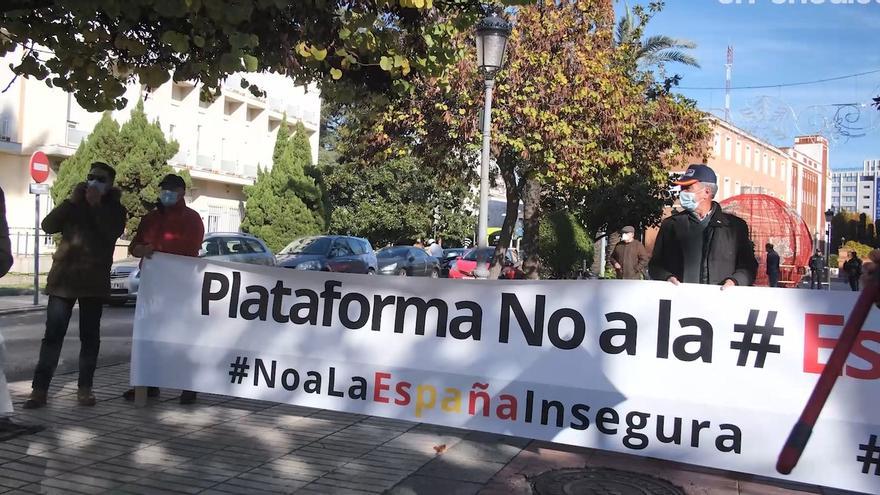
(89, 222)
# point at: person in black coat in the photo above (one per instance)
(772, 265)
(817, 264)
(853, 269)
(5, 244)
(702, 244)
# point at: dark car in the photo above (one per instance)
(464, 267)
(407, 261)
(450, 255)
(329, 253)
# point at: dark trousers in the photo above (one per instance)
(815, 280)
(854, 283)
(58, 315)
(774, 279)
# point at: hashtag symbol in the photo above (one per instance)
(763, 346)
(238, 369)
(871, 457)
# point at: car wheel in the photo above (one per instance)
(371, 272)
(401, 272)
(435, 273)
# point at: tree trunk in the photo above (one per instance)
(512, 212)
(531, 197)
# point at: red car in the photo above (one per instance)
(464, 266)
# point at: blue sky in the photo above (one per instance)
(784, 43)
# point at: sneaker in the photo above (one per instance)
(187, 397)
(85, 397)
(37, 399)
(152, 392)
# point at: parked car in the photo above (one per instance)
(408, 261)
(331, 253)
(450, 255)
(464, 267)
(125, 275)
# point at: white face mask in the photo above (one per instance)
(688, 200)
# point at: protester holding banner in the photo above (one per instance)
(173, 228)
(702, 244)
(89, 222)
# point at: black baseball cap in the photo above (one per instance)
(172, 181)
(697, 173)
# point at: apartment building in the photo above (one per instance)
(798, 175)
(222, 143)
(855, 190)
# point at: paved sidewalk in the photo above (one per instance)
(21, 304)
(225, 445)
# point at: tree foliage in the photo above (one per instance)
(563, 245)
(285, 203)
(395, 202)
(94, 47)
(137, 151)
(573, 116)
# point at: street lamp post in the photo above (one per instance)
(492, 35)
(829, 215)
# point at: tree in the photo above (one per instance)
(137, 151)
(653, 50)
(284, 203)
(143, 164)
(101, 145)
(93, 48)
(563, 244)
(572, 114)
(394, 202)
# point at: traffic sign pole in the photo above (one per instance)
(39, 172)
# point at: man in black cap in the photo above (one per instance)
(629, 258)
(172, 228)
(702, 244)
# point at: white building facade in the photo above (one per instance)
(222, 143)
(855, 190)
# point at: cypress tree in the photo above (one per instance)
(102, 144)
(284, 203)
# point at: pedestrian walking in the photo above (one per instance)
(702, 244)
(853, 269)
(173, 228)
(629, 257)
(89, 222)
(772, 265)
(435, 249)
(817, 263)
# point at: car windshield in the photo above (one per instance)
(479, 254)
(308, 245)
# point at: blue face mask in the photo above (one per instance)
(688, 200)
(168, 198)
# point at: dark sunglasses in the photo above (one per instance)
(100, 178)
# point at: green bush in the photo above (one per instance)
(833, 261)
(862, 250)
(563, 245)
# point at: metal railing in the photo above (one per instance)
(22, 240)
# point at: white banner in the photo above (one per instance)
(688, 373)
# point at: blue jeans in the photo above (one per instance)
(58, 315)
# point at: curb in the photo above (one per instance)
(21, 310)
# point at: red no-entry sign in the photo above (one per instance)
(39, 166)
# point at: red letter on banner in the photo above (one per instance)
(812, 341)
(378, 387)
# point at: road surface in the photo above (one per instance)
(23, 333)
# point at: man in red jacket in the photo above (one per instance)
(172, 228)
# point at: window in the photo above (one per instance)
(728, 148)
(757, 159)
(766, 164)
(866, 197)
(773, 167)
(419, 254)
(739, 154)
(717, 144)
(737, 187)
(355, 246)
(341, 249)
(866, 207)
(233, 245)
(254, 246)
(727, 187)
(211, 247)
(835, 189)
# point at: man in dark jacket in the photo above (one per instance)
(772, 265)
(629, 258)
(817, 264)
(89, 222)
(5, 244)
(702, 244)
(853, 268)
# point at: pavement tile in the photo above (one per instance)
(461, 470)
(332, 484)
(9, 483)
(286, 484)
(69, 486)
(250, 486)
(84, 479)
(429, 485)
(153, 483)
